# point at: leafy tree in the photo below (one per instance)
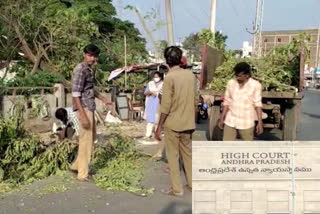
(218, 40)
(52, 33)
(194, 42)
(193, 47)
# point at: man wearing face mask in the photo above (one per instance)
(242, 104)
(83, 95)
(152, 102)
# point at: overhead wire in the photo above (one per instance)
(190, 14)
(236, 12)
(203, 7)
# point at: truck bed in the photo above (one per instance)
(265, 94)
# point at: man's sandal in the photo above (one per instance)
(171, 192)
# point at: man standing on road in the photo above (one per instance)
(83, 95)
(242, 104)
(178, 112)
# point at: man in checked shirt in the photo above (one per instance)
(242, 105)
(83, 95)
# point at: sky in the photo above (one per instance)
(233, 17)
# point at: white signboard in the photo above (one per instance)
(256, 177)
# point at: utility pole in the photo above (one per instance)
(317, 52)
(257, 40)
(146, 29)
(169, 22)
(125, 61)
(213, 16)
(314, 75)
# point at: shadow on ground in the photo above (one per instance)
(175, 208)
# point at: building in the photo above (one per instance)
(246, 49)
(272, 39)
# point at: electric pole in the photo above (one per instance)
(125, 60)
(317, 50)
(314, 73)
(169, 22)
(146, 29)
(213, 16)
(257, 43)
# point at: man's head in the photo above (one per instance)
(242, 72)
(173, 56)
(90, 54)
(62, 114)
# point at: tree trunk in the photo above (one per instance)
(25, 47)
(36, 64)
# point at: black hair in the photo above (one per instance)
(173, 55)
(242, 67)
(159, 74)
(62, 114)
(92, 50)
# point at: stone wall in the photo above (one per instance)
(59, 98)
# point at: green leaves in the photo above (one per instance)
(119, 166)
(194, 42)
(217, 40)
(277, 71)
(24, 158)
(57, 32)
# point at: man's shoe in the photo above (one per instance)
(87, 179)
(188, 187)
(172, 193)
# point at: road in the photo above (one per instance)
(310, 117)
(309, 123)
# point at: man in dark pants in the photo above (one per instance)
(178, 112)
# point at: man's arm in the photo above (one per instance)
(257, 99)
(196, 99)
(223, 116)
(62, 134)
(105, 101)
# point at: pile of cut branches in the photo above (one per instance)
(277, 71)
(24, 159)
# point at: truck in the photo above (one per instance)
(282, 109)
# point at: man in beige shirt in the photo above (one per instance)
(178, 112)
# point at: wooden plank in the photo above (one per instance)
(265, 94)
(290, 95)
(215, 133)
(290, 123)
(20, 88)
